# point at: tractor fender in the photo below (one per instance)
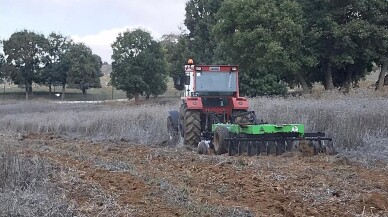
(240, 103)
(175, 117)
(194, 103)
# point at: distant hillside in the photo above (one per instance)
(106, 69)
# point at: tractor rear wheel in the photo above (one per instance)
(190, 121)
(221, 133)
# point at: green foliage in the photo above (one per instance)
(378, 16)
(25, 51)
(267, 84)
(265, 38)
(84, 70)
(278, 43)
(275, 42)
(198, 43)
(168, 43)
(2, 61)
(200, 18)
(56, 67)
(97, 63)
(343, 38)
(2, 64)
(138, 64)
(50, 61)
(176, 54)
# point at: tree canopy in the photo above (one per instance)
(176, 52)
(56, 66)
(265, 38)
(285, 43)
(2, 64)
(25, 51)
(138, 65)
(342, 38)
(200, 19)
(84, 69)
(33, 58)
(277, 44)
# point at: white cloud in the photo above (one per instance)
(101, 42)
(95, 23)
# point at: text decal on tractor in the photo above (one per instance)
(213, 116)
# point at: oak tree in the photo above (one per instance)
(138, 65)
(25, 51)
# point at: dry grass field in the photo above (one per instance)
(112, 159)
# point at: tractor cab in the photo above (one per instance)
(208, 81)
(212, 88)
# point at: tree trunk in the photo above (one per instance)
(27, 90)
(4, 91)
(50, 89)
(329, 77)
(348, 80)
(136, 97)
(84, 93)
(147, 97)
(30, 89)
(303, 83)
(383, 71)
(63, 91)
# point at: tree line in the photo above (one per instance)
(29, 57)
(284, 43)
(276, 43)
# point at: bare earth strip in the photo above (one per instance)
(129, 180)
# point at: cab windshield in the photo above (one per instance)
(211, 82)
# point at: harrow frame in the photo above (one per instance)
(263, 143)
(258, 138)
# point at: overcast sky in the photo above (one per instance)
(95, 22)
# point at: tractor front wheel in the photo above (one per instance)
(221, 133)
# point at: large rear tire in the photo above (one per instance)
(221, 133)
(190, 126)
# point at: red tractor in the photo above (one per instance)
(211, 95)
(213, 115)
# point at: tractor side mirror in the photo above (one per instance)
(177, 80)
(187, 79)
(180, 81)
(183, 80)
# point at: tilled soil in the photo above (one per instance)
(120, 179)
